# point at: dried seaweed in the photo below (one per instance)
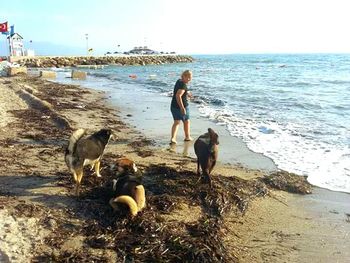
(67, 256)
(27, 210)
(288, 182)
(139, 146)
(149, 237)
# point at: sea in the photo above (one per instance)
(292, 108)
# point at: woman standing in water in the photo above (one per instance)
(179, 106)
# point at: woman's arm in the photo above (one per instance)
(179, 95)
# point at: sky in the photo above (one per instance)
(183, 26)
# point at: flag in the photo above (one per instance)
(3, 27)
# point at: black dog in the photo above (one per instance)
(206, 149)
(129, 191)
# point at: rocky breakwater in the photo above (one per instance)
(60, 62)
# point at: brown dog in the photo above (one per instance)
(206, 149)
(129, 191)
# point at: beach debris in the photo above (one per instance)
(140, 147)
(151, 237)
(289, 182)
(142, 142)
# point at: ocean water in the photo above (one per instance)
(293, 109)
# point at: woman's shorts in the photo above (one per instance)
(177, 115)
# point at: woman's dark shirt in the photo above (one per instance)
(179, 85)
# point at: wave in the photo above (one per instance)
(290, 148)
(336, 81)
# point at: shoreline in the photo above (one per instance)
(279, 227)
(148, 113)
(153, 107)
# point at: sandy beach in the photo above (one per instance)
(243, 219)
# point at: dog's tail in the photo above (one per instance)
(129, 201)
(74, 138)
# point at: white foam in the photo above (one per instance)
(326, 165)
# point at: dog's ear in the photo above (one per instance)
(134, 167)
(113, 136)
(214, 137)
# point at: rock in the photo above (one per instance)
(76, 74)
(12, 71)
(48, 74)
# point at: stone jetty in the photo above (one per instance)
(60, 62)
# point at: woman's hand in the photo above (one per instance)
(183, 111)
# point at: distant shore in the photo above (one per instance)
(73, 61)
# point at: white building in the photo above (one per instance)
(16, 45)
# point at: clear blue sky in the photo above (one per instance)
(185, 26)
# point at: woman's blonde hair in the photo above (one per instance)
(186, 73)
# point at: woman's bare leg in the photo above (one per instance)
(174, 130)
(187, 127)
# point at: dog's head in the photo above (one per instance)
(104, 134)
(124, 166)
(107, 133)
(214, 137)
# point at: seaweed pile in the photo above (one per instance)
(139, 145)
(149, 237)
(41, 123)
(289, 182)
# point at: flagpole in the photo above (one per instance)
(6, 46)
(10, 46)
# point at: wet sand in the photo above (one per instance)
(36, 192)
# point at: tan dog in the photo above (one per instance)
(85, 151)
(129, 191)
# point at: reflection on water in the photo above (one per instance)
(184, 148)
